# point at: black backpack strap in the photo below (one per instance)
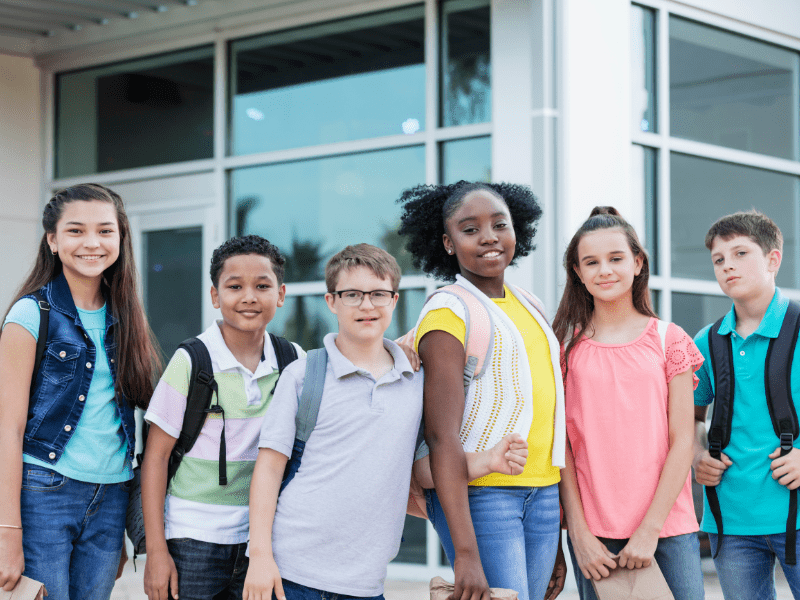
(720, 431)
(202, 386)
(41, 340)
(777, 381)
(285, 351)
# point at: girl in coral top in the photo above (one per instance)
(626, 489)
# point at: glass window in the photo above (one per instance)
(150, 111)
(643, 71)
(346, 80)
(311, 209)
(644, 194)
(469, 159)
(466, 64)
(733, 91)
(704, 190)
(694, 311)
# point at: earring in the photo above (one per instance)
(449, 251)
(54, 251)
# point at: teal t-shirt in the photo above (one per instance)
(97, 452)
(751, 502)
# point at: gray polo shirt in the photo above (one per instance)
(339, 522)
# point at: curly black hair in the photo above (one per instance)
(426, 208)
(246, 244)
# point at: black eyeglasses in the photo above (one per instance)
(356, 297)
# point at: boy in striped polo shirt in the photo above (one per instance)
(196, 542)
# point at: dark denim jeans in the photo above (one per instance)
(72, 533)
(208, 571)
(295, 591)
(678, 557)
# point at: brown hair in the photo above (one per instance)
(376, 259)
(138, 360)
(577, 304)
(753, 224)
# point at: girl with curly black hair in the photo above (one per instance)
(503, 530)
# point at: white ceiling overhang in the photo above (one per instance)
(58, 33)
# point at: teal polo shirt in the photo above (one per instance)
(751, 502)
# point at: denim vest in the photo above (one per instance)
(62, 383)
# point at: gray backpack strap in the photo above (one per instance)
(310, 399)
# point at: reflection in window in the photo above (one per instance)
(694, 311)
(311, 209)
(346, 80)
(732, 91)
(469, 159)
(644, 194)
(704, 190)
(643, 72)
(306, 319)
(466, 65)
(150, 111)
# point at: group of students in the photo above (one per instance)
(322, 459)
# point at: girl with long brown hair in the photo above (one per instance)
(67, 430)
(628, 386)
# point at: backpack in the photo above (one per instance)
(479, 324)
(777, 384)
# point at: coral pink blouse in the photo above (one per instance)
(618, 427)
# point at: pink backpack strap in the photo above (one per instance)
(479, 331)
(533, 300)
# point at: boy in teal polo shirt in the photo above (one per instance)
(752, 480)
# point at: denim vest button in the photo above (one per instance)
(68, 428)
(52, 455)
(88, 365)
(112, 360)
(62, 354)
(81, 398)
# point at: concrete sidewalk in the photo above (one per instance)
(130, 587)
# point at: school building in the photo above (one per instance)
(303, 120)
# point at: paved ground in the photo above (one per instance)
(129, 587)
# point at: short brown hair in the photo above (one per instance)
(376, 259)
(753, 224)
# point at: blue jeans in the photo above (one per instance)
(296, 591)
(517, 529)
(207, 570)
(72, 533)
(678, 557)
(746, 566)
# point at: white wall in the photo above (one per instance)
(20, 171)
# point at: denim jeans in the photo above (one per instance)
(296, 591)
(209, 571)
(72, 533)
(517, 529)
(678, 557)
(746, 566)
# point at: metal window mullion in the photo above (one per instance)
(663, 199)
(736, 157)
(431, 91)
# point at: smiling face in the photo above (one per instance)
(481, 235)
(742, 269)
(364, 323)
(606, 265)
(86, 239)
(248, 292)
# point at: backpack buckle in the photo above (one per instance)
(787, 442)
(43, 305)
(204, 378)
(715, 449)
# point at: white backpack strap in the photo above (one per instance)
(533, 300)
(662, 333)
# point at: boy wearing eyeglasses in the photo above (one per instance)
(338, 523)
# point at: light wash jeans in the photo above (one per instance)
(678, 557)
(72, 533)
(517, 529)
(746, 566)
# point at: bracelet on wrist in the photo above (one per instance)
(11, 526)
